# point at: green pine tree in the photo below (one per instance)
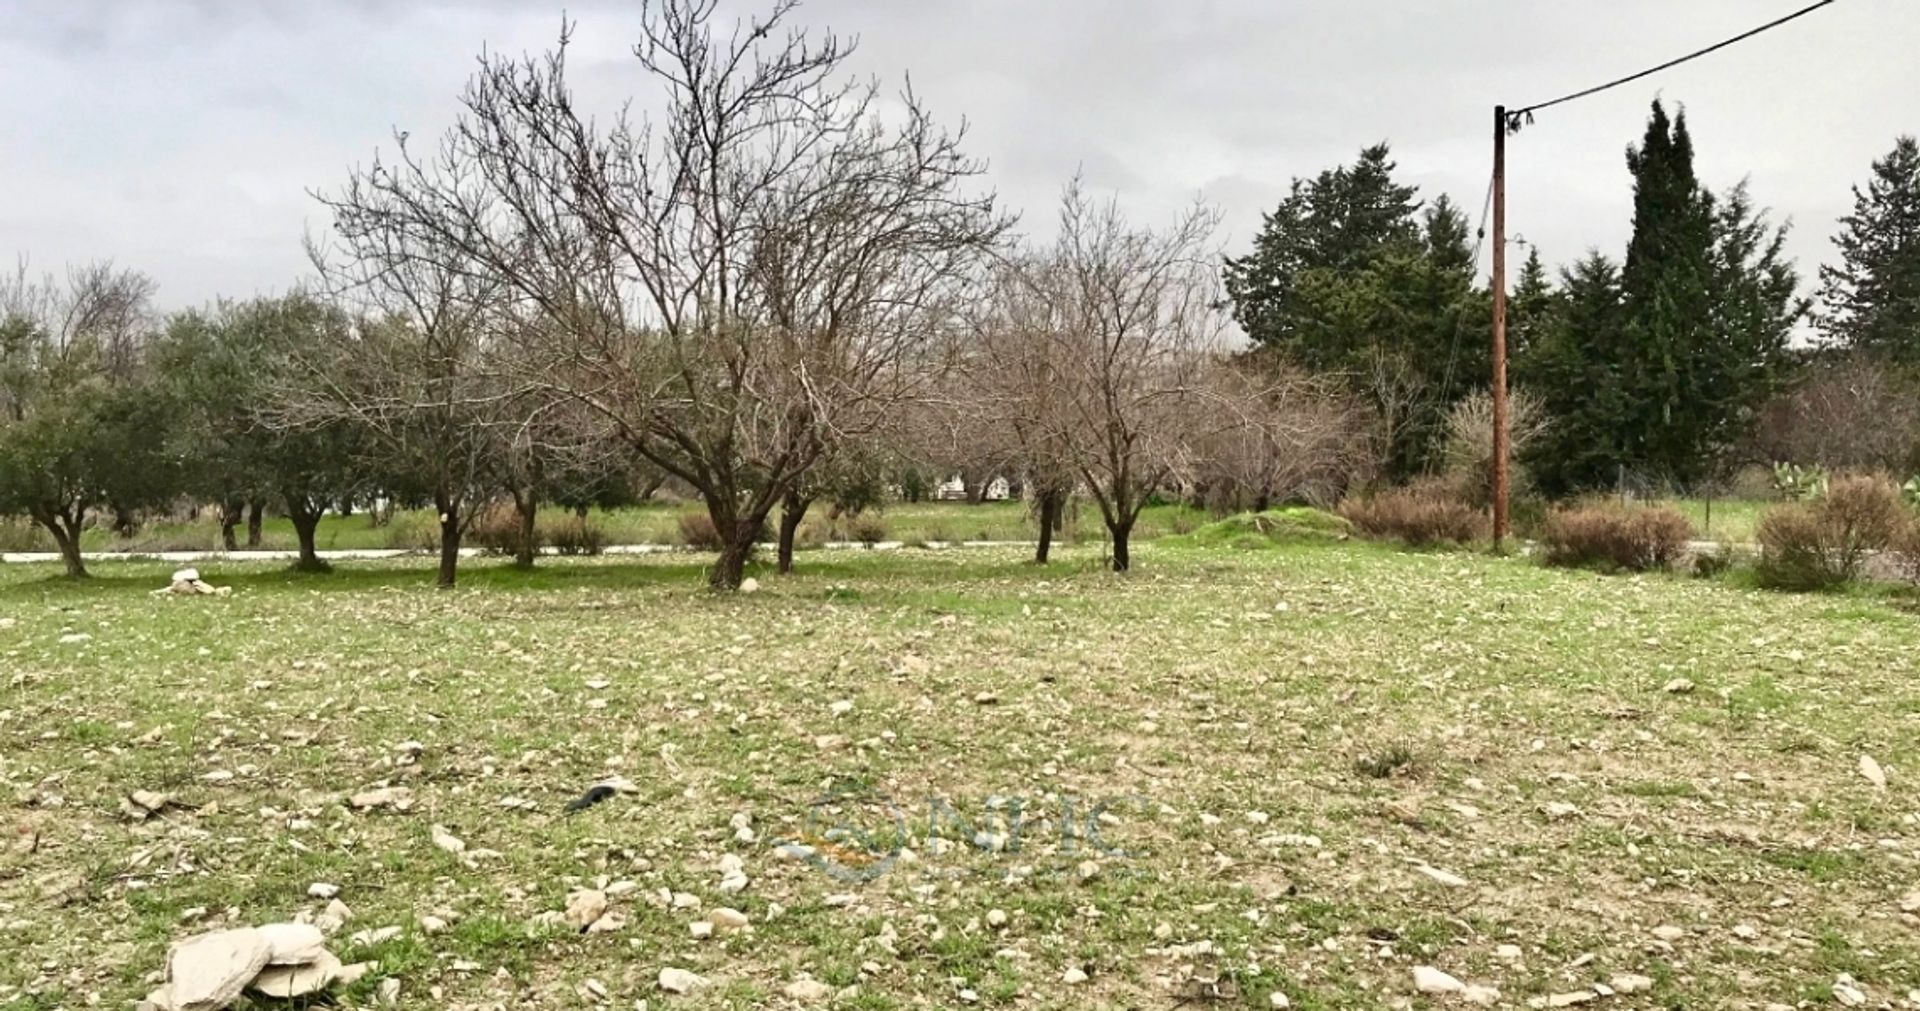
(1574, 362)
(1872, 297)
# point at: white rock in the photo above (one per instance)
(1559, 810)
(1446, 878)
(996, 918)
(186, 575)
(447, 840)
(1073, 977)
(208, 971)
(749, 585)
(1628, 982)
(841, 708)
(733, 883)
(1848, 994)
(1427, 979)
(373, 935)
(1278, 1001)
(584, 907)
(1678, 686)
(397, 797)
(680, 981)
(727, 920)
(1910, 903)
(322, 890)
(430, 924)
(1484, 996)
(1508, 953)
(288, 981)
(808, 991)
(1874, 773)
(388, 993)
(293, 943)
(1668, 933)
(731, 862)
(700, 929)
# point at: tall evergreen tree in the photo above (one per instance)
(1575, 358)
(1350, 276)
(1872, 297)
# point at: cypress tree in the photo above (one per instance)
(1872, 297)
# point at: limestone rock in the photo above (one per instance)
(1427, 979)
(808, 991)
(293, 943)
(208, 972)
(680, 981)
(584, 907)
(288, 981)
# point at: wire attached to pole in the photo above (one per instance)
(1517, 116)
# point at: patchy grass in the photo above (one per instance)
(1268, 779)
(1247, 531)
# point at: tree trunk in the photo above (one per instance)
(125, 523)
(449, 546)
(793, 509)
(976, 491)
(256, 510)
(527, 507)
(65, 529)
(1122, 557)
(580, 513)
(1049, 518)
(306, 522)
(230, 518)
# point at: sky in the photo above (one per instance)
(184, 137)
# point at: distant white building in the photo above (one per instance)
(954, 488)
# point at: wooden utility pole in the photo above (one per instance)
(1499, 326)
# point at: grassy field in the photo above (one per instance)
(1309, 770)
(656, 523)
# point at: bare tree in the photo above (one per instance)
(1301, 438)
(1135, 330)
(736, 285)
(79, 426)
(1847, 412)
(414, 375)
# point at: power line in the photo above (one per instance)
(1513, 118)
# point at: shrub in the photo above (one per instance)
(1614, 537)
(1421, 514)
(1714, 561)
(697, 531)
(413, 531)
(22, 535)
(867, 528)
(1819, 544)
(495, 530)
(577, 535)
(1248, 531)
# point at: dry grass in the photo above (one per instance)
(1236, 742)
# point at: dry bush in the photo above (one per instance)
(697, 531)
(577, 536)
(1613, 536)
(1422, 514)
(1848, 413)
(1814, 545)
(495, 530)
(867, 528)
(1468, 445)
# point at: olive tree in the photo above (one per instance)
(82, 425)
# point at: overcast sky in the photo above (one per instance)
(182, 137)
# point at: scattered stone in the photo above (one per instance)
(1874, 773)
(1678, 686)
(293, 943)
(985, 699)
(1559, 811)
(1628, 982)
(373, 935)
(1278, 1001)
(299, 980)
(388, 993)
(1073, 977)
(74, 638)
(208, 971)
(749, 585)
(1569, 999)
(608, 923)
(144, 804)
(1847, 993)
(1427, 979)
(1668, 933)
(841, 708)
(680, 981)
(1088, 870)
(585, 907)
(430, 924)
(1910, 903)
(733, 882)
(1745, 931)
(727, 920)
(399, 798)
(1443, 877)
(996, 918)
(1508, 953)
(1483, 996)
(808, 991)
(447, 840)
(700, 929)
